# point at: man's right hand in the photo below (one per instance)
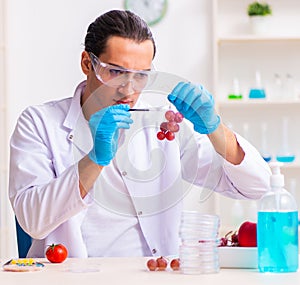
(105, 125)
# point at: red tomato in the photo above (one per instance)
(56, 253)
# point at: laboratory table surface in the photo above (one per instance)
(133, 271)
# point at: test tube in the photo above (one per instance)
(264, 147)
(285, 154)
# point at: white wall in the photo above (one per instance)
(43, 44)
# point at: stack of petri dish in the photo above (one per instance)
(198, 251)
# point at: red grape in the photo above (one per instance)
(152, 264)
(173, 127)
(223, 241)
(161, 263)
(164, 126)
(175, 264)
(230, 239)
(235, 238)
(178, 117)
(170, 115)
(161, 135)
(170, 136)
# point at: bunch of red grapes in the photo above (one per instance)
(231, 238)
(169, 128)
(161, 263)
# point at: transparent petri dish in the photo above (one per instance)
(198, 218)
(196, 248)
(200, 269)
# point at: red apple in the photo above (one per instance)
(247, 234)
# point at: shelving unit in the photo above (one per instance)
(239, 54)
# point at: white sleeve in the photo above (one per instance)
(203, 166)
(40, 199)
(251, 178)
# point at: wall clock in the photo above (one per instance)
(152, 11)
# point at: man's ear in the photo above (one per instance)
(86, 64)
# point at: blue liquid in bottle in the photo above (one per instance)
(277, 239)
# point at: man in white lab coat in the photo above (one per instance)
(88, 172)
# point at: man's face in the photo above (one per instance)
(122, 54)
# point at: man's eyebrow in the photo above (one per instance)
(124, 68)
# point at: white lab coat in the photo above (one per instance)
(44, 185)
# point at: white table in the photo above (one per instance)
(133, 271)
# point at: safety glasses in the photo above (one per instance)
(116, 77)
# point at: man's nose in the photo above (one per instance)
(127, 88)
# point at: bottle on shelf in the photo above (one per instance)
(285, 154)
(235, 94)
(289, 89)
(278, 93)
(284, 88)
(277, 227)
(257, 92)
(264, 146)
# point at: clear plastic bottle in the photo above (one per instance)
(264, 151)
(285, 154)
(289, 88)
(277, 227)
(278, 88)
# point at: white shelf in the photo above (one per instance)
(254, 38)
(255, 103)
(291, 166)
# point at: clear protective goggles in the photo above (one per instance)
(116, 77)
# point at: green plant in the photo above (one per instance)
(259, 9)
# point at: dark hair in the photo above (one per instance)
(116, 23)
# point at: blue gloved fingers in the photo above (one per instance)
(173, 96)
(123, 124)
(191, 94)
(121, 109)
(190, 97)
(206, 97)
(111, 117)
(183, 96)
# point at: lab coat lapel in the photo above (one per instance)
(79, 134)
(82, 138)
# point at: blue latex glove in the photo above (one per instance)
(105, 125)
(197, 105)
